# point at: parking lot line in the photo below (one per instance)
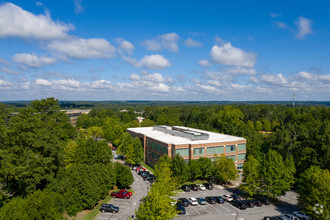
(206, 210)
(196, 210)
(225, 208)
(216, 209)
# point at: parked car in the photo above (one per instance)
(248, 203)
(151, 180)
(289, 217)
(208, 186)
(193, 201)
(185, 188)
(301, 215)
(201, 201)
(201, 187)
(210, 199)
(139, 169)
(264, 201)
(227, 197)
(109, 208)
(151, 176)
(272, 218)
(193, 187)
(219, 199)
(185, 202)
(123, 195)
(180, 208)
(235, 197)
(256, 202)
(136, 166)
(144, 173)
(238, 204)
(124, 190)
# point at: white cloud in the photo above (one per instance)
(33, 60)
(305, 75)
(238, 70)
(78, 7)
(204, 63)
(231, 56)
(101, 84)
(155, 61)
(4, 83)
(304, 26)
(7, 70)
(83, 48)
(192, 43)
(165, 41)
(16, 22)
(325, 77)
(275, 79)
(274, 15)
(281, 25)
(125, 46)
(42, 82)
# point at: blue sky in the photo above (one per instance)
(165, 50)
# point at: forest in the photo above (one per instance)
(42, 156)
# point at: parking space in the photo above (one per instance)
(228, 211)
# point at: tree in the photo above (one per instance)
(206, 167)
(314, 192)
(276, 177)
(94, 132)
(124, 177)
(251, 172)
(258, 125)
(194, 170)
(138, 151)
(125, 143)
(224, 169)
(179, 168)
(157, 204)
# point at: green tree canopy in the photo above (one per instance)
(224, 169)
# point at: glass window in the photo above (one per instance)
(240, 157)
(214, 150)
(182, 152)
(230, 148)
(198, 151)
(164, 150)
(240, 166)
(241, 147)
(233, 157)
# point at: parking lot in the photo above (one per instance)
(228, 211)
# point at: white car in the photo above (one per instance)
(193, 201)
(301, 215)
(227, 197)
(201, 187)
(289, 217)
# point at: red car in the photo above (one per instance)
(139, 169)
(125, 191)
(119, 194)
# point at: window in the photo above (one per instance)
(240, 166)
(240, 157)
(158, 147)
(198, 151)
(233, 157)
(214, 150)
(241, 147)
(164, 150)
(182, 152)
(230, 148)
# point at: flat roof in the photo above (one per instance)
(177, 140)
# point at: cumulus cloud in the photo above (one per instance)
(83, 48)
(192, 43)
(304, 26)
(8, 70)
(4, 83)
(231, 56)
(166, 41)
(42, 82)
(238, 70)
(281, 25)
(325, 77)
(204, 63)
(306, 75)
(155, 61)
(275, 79)
(78, 7)
(125, 46)
(33, 60)
(16, 22)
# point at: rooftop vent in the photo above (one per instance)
(182, 132)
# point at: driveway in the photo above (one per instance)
(127, 207)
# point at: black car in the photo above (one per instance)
(109, 208)
(208, 186)
(248, 203)
(193, 187)
(185, 188)
(184, 201)
(210, 199)
(264, 201)
(145, 173)
(180, 208)
(219, 199)
(257, 202)
(151, 180)
(238, 204)
(235, 197)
